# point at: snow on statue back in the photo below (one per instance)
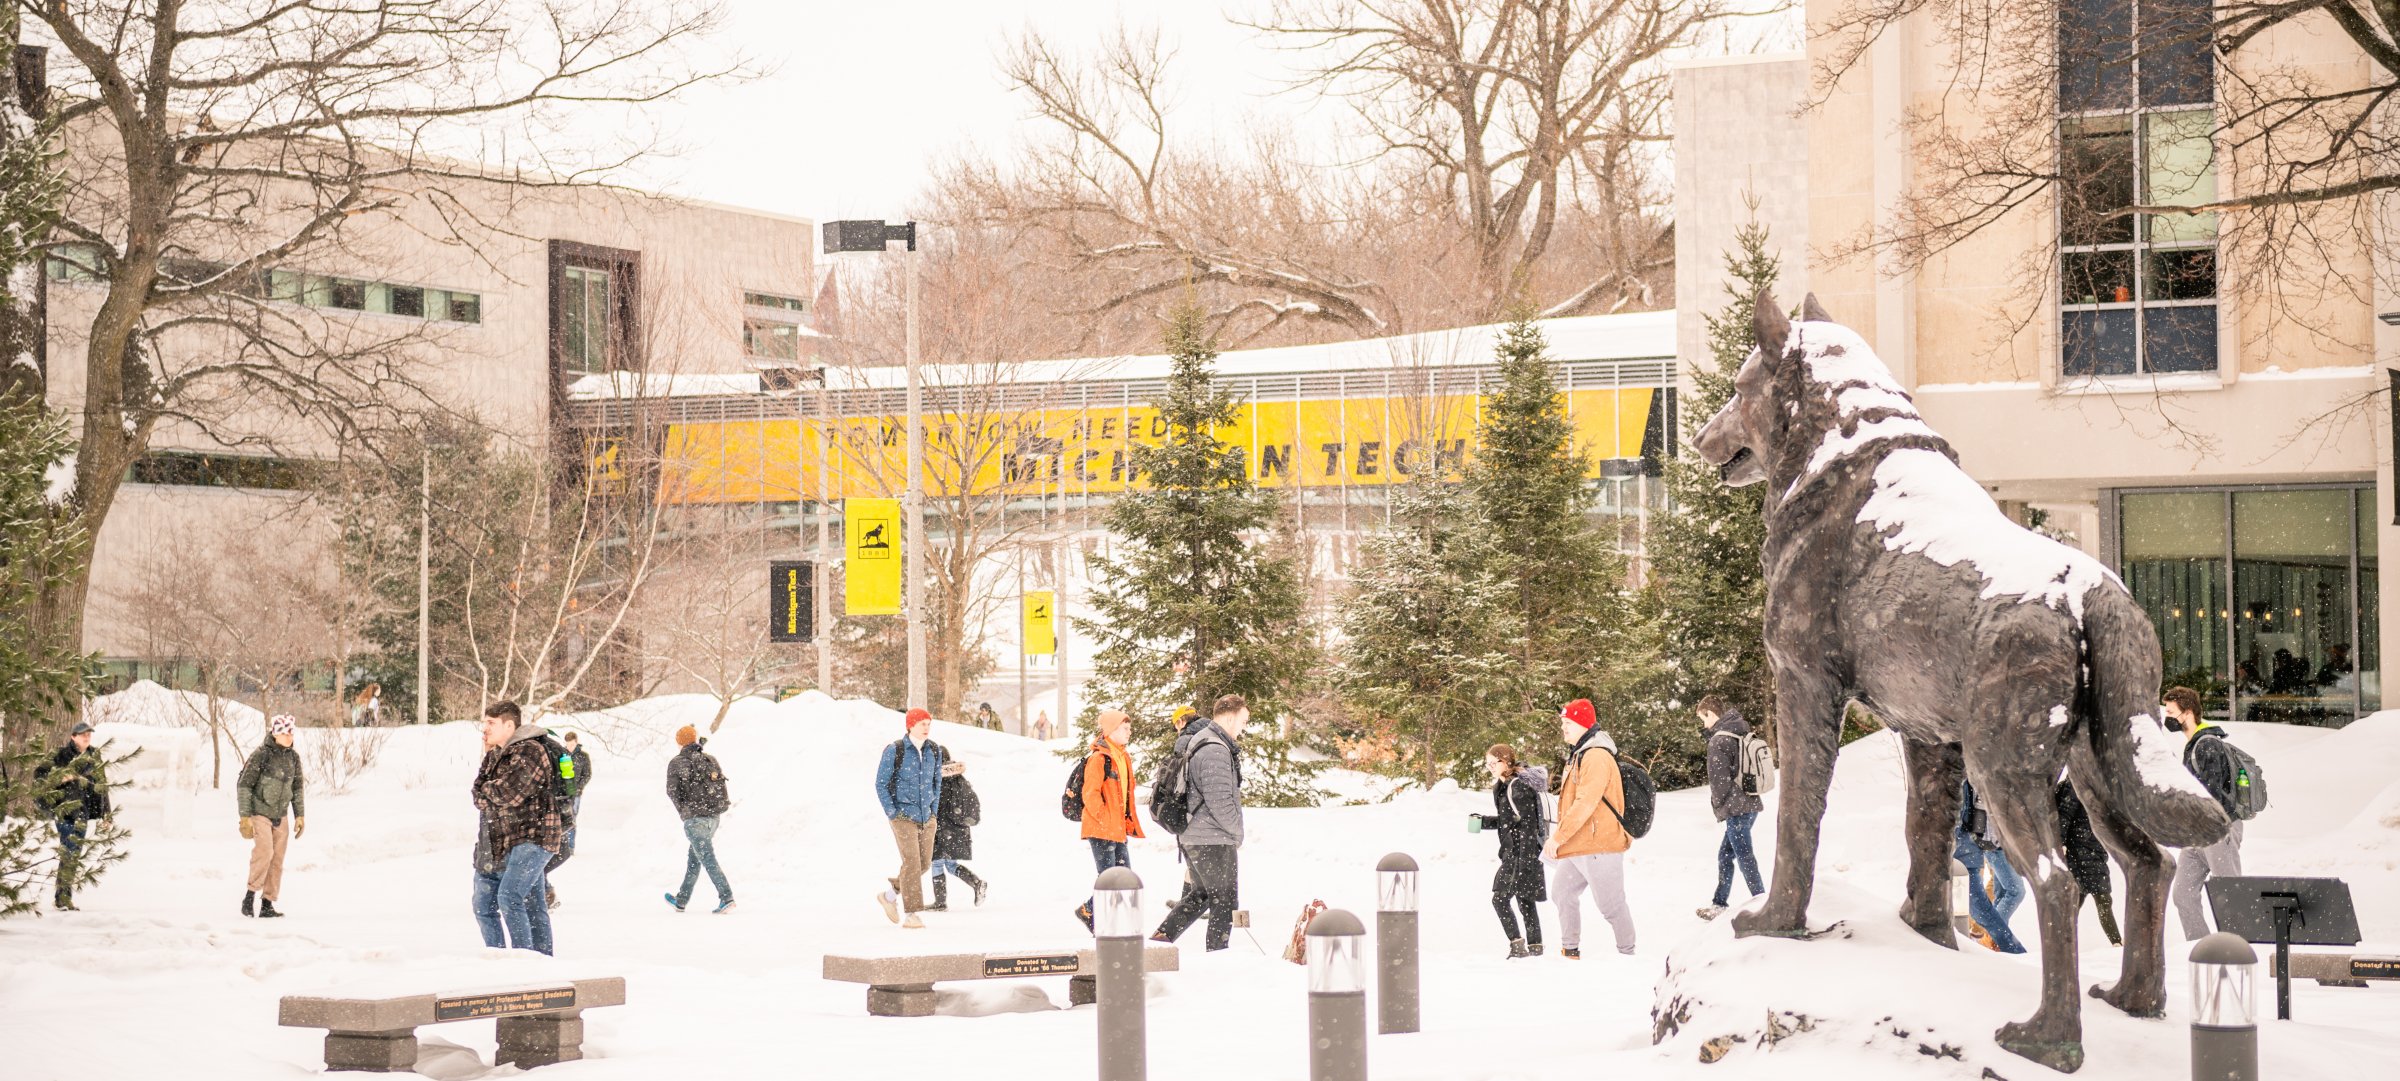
(1894, 581)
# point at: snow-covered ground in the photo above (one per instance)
(158, 977)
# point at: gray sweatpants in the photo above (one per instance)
(1602, 873)
(2193, 868)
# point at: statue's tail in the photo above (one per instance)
(2141, 762)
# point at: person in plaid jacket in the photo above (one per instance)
(521, 830)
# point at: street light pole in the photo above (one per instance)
(912, 584)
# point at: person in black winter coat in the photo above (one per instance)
(80, 799)
(2085, 857)
(696, 785)
(1737, 808)
(954, 835)
(1519, 885)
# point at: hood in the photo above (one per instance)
(1732, 723)
(1594, 737)
(526, 732)
(1537, 776)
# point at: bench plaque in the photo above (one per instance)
(2375, 968)
(503, 1004)
(1033, 965)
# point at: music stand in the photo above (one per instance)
(2286, 912)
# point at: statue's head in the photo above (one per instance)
(1740, 439)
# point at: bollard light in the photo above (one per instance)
(2224, 1009)
(1960, 899)
(1396, 883)
(1337, 961)
(1117, 904)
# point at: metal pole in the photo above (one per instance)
(913, 570)
(1058, 623)
(424, 579)
(1337, 998)
(2224, 1009)
(824, 569)
(1123, 990)
(1024, 723)
(1396, 979)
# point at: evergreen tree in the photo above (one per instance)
(1199, 599)
(1428, 632)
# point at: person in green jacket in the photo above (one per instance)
(271, 784)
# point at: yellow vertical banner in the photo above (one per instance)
(871, 543)
(1041, 624)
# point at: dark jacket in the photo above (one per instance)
(954, 832)
(1517, 816)
(272, 783)
(696, 783)
(512, 789)
(2204, 755)
(1212, 774)
(2085, 855)
(583, 772)
(1974, 822)
(83, 784)
(1725, 795)
(908, 780)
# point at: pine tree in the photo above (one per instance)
(1198, 600)
(1427, 634)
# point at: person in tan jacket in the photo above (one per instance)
(1587, 849)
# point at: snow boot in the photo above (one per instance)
(723, 907)
(266, 909)
(941, 894)
(973, 883)
(891, 905)
(672, 902)
(1534, 948)
(249, 902)
(1709, 912)
(1571, 954)
(1516, 949)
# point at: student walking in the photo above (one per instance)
(1212, 837)
(954, 836)
(271, 788)
(79, 799)
(1736, 808)
(521, 830)
(908, 782)
(2086, 858)
(2206, 754)
(1588, 848)
(574, 775)
(696, 785)
(1108, 820)
(1517, 815)
(1977, 845)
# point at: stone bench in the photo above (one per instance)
(2339, 969)
(903, 986)
(540, 1023)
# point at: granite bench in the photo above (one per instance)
(903, 986)
(539, 1024)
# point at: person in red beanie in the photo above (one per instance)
(908, 781)
(1587, 849)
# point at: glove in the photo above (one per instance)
(299, 826)
(246, 832)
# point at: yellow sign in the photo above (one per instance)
(871, 540)
(1314, 443)
(1041, 624)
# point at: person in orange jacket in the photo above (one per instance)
(1588, 847)
(1109, 820)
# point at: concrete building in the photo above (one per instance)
(2236, 471)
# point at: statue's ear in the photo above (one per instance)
(1770, 326)
(1813, 312)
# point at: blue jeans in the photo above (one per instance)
(1107, 854)
(70, 852)
(1992, 914)
(702, 833)
(1735, 848)
(514, 901)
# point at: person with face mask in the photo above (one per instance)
(272, 796)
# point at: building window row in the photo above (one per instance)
(196, 469)
(773, 326)
(88, 263)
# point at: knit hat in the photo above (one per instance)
(916, 715)
(686, 736)
(1110, 718)
(1580, 711)
(281, 724)
(1184, 715)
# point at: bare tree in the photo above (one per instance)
(703, 619)
(209, 143)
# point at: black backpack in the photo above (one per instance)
(2249, 795)
(1641, 797)
(1170, 800)
(1070, 803)
(564, 784)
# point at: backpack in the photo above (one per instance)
(891, 784)
(1070, 803)
(563, 782)
(1757, 772)
(1641, 797)
(1170, 800)
(2249, 795)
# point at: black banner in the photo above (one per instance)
(503, 1004)
(2395, 374)
(791, 601)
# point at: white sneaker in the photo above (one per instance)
(1710, 912)
(913, 923)
(891, 905)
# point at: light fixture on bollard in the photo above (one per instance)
(2224, 1009)
(1337, 997)
(1121, 988)
(1396, 978)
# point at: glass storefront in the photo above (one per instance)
(2264, 598)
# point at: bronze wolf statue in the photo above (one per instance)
(1894, 581)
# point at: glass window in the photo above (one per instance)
(2292, 605)
(2098, 277)
(406, 300)
(346, 293)
(2180, 274)
(773, 341)
(76, 263)
(2179, 169)
(2097, 342)
(2178, 65)
(2173, 546)
(466, 308)
(2096, 157)
(584, 323)
(2095, 51)
(2181, 339)
(770, 300)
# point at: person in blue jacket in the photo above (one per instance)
(908, 780)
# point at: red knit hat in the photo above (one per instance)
(916, 715)
(1580, 711)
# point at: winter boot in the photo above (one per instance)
(266, 909)
(1709, 912)
(973, 883)
(1571, 954)
(249, 902)
(1534, 948)
(1516, 949)
(941, 894)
